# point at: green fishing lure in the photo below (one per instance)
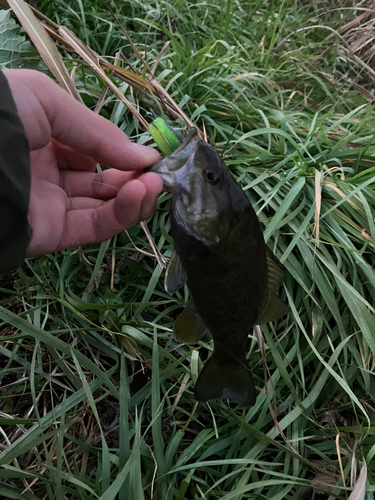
(164, 136)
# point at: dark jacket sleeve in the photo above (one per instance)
(15, 231)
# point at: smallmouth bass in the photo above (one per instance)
(220, 253)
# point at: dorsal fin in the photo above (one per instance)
(272, 307)
(175, 276)
(189, 327)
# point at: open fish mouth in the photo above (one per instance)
(170, 165)
(190, 136)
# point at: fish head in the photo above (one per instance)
(205, 195)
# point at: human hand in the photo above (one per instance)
(70, 204)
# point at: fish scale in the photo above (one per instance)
(227, 287)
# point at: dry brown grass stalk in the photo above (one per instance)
(147, 86)
(44, 45)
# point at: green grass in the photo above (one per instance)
(97, 399)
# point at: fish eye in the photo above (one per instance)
(211, 176)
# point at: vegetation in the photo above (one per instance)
(96, 397)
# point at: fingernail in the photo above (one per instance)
(149, 155)
(148, 208)
(161, 185)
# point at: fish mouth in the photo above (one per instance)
(168, 167)
(193, 133)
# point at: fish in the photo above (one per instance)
(220, 253)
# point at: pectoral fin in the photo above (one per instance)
(175, 276)
(272, 307)
(188, 327)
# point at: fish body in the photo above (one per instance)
(220, 253)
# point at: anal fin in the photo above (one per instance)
(189, 327)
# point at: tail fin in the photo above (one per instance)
(227, 381)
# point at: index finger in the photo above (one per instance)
(71, 123)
